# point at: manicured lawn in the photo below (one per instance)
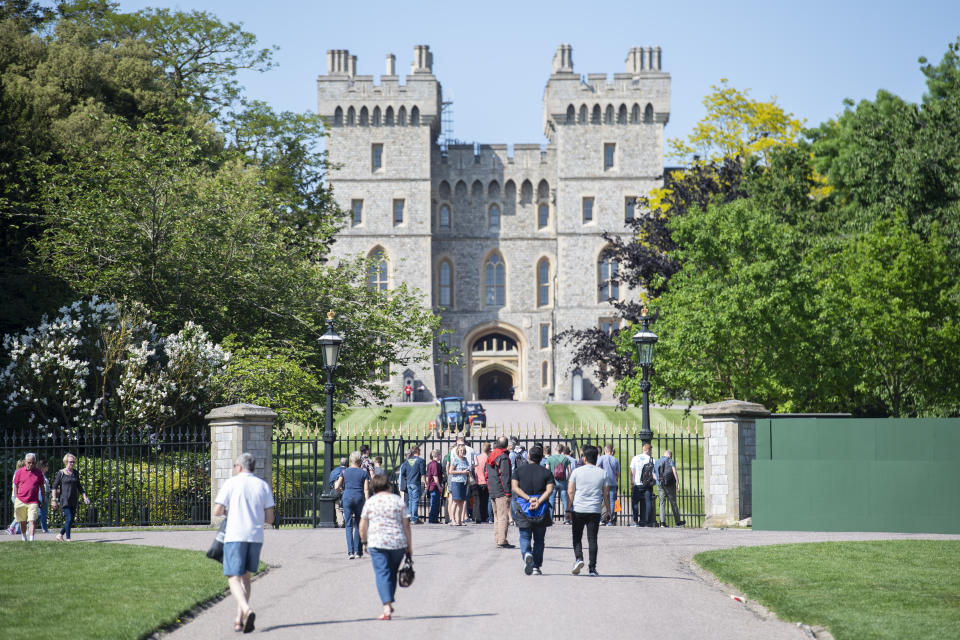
(92, 590)
(607, 416)
(365, 419)
(858, 590)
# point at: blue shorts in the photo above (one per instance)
(241, 557)
(458, 490)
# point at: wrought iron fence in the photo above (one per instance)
(298, 463)
(131, 480)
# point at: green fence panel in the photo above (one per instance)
(857, 475)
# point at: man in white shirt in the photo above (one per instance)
(247, 502)
(641, 491)
(588, 494)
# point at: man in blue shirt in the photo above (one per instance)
(612, 468)
(412, 474)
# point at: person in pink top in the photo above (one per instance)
(480, 511)
(27, 483)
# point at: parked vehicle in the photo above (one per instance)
(476, 414)
(453, 416)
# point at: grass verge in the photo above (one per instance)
(608, 416)
(879, 589)
(100, 590)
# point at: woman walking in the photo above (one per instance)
(67, 490)
(459, 471)
(385, 529)
(355, 483)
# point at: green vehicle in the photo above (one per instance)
(453, 416)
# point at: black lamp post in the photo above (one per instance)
(644, 341)
(330, 347)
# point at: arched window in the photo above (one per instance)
(608, 115)
(543, 282)
(444, 216)
(622, 114)
(388, 117)
(476, 189)
(378, 271)
(446, 284)
(415, 117)
(444, 190)
(543, 190)
(510, 192)
(376, 117)
(595, 116)
(635, 114)
(493, 190)
(648, 114)
(338, 117)
(494, 217)
(495, 281)
(460, 190)
(402, 116)
(583, 114)
(364, 117)
(526, 192)
(351, 116)
(543, 215)
(571, 115)
(609, 280)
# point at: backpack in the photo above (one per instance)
(560, 471)
(646, 474)
(518, 459)
(666, 476)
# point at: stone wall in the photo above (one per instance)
(237, 429)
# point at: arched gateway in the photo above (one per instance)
(494, 368)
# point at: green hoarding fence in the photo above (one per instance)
(897, 475)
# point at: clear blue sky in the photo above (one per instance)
(493, 58)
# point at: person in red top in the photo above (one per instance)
(499, 478)
(480, 513)
(435, 486)
(27, 483)
(406, 393)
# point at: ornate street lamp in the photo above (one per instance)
(330, 347)
(644, 341)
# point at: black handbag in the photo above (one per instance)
(406, 575)
(215, 552)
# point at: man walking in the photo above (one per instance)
(668, 482)
(247, 502)
(612, 468)
(532, 487)
(412, 476)
(27, 484)
(588, 493)
(641, 491)
(499, 483)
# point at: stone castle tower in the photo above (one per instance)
(507, 248)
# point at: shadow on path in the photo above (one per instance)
(319, 623)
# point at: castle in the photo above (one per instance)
(506, 248)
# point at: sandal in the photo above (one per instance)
(248, 622)
(237, 627)
(383, 616)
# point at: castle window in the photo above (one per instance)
(444, 190)
(648, 114)
(388, 117)
(376, 156)
(493, 191)
(571, 115)
(460, 190)
(545, 374)
(476, 189)
(543, 190)
(610, 326)
(364, 117)
(583, 114)
(402, 116)
(609, 152)
(543, 215)
(545, 336)
(338, 117)
(356, 206)
(595, 116)
(622, 114)
(609, 278)
(635, 114)
(446, 284)
(398, 211)
(526, 192)
(351, 116)
(510, 193)
(376, 117)
(377, 271)
(444, 216)
(415, 117)
(608, 115)
(495, 281)
(494, 217)
(629, 207)
(587, 209)
(543, 282)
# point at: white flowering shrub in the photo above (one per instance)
(97, 366)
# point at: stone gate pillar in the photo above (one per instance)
(236, 429)
(730, 446)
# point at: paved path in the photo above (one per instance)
(465, 587)
(507, 413)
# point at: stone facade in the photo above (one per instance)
(236, 429)
(468, 213)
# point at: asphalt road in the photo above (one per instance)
(467, 588)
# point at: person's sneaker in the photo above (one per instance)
(352, 556)
(594, 574)
(576, 567)
(680, 523)
(507, 545)
(636, 524)
(537, 572)
(528, 563)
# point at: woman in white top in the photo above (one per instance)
(385, 530)
(458, 471)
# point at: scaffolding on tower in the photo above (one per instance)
(446, 126)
